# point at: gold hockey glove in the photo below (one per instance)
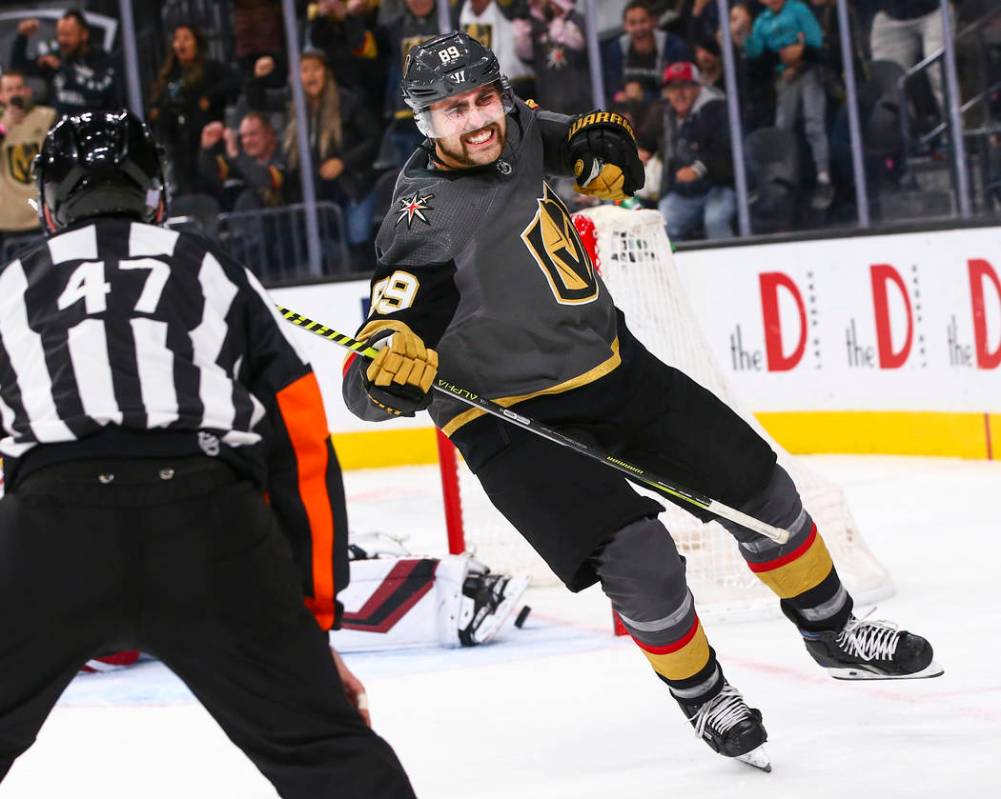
(603, 157)
(398, 380)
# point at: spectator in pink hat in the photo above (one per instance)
(690, 132)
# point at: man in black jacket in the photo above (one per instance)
(81, 77)
(692, 135)
(171, 485)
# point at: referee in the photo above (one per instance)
(171, 485)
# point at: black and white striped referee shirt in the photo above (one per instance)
(120, 339)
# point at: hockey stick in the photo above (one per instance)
(633, 472)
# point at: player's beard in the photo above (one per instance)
(460, 156)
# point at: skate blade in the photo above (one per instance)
(929, 671)
(758, 758)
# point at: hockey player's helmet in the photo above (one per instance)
(99, 163)
(446, 66)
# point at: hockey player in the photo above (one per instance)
(171, 485)
(482, 269)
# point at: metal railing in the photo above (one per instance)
(314, 248)
(274, 242)
(973, 29)
(955, 109)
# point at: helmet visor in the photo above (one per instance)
(467, 112)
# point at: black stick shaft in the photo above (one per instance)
(631, 471)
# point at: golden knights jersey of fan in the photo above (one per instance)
(17, 151)
(485, 265)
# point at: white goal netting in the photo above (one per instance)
(634, 257)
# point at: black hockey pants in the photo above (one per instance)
(182, 560)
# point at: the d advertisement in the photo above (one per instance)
(896, 323)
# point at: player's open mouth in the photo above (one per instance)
(482, 137)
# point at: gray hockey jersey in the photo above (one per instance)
(485, 265)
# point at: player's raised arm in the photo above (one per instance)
(602, 154)
(597, 148)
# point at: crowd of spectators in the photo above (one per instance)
(231, 138)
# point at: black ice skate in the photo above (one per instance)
(872, 650)
(730, 727)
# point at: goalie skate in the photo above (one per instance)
(872, 650)
(488, 602)
(730, 727)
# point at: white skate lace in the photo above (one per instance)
(869, 640)
(721, 712)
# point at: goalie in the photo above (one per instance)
(398, 600)
(482, 269)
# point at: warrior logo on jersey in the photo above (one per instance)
(553, 241)
(19, 158)
(413, 207)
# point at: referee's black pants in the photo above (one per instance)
(180, 559)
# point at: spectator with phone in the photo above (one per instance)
(81, 77)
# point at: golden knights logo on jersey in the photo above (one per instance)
(19, 158)
(482, 32)
(553, 241)
(408, 43)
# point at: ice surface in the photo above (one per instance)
(562, 709)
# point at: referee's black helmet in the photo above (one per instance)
(448, 65)
(99, 163)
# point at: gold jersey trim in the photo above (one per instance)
(599, 371)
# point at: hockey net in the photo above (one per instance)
(634, 258)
